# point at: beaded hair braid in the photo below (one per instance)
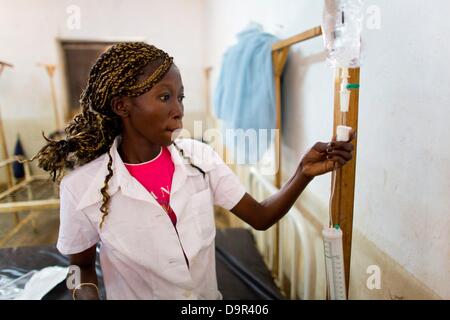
(92, 132)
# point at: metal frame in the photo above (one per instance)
(294, 232)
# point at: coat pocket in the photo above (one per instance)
(203, 211)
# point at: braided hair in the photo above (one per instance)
(92, 132)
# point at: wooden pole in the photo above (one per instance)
(51, 68)
(280, 52)
(5, 153)
(308, 34)
(3, 65)
(344, 193)
(4, 147)
(279, 58)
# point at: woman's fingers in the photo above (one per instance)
(328, 148)
(321, 147)
(339, 161)
(324, 157)
(342, 145)
(352, 135)
(343, 154)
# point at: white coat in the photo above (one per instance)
(141, 254)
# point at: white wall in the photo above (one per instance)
(404, 180)
(403, 175)
(30, 31)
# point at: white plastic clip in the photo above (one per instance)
(343, 133)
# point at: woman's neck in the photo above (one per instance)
(137, 149)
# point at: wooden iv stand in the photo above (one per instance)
(343, 199)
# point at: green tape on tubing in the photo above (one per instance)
(353, 86)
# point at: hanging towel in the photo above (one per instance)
(18, 168)
(245, 97)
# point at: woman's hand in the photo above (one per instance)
(324, 157)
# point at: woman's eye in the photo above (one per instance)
(164, 97)
(181, 98)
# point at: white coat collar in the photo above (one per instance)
(131, 187)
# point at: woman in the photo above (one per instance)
(147, 198)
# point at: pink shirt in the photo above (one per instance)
(156, 176)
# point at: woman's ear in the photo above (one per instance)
(121, 106)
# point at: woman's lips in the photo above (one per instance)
(173, 132)
(173, 129)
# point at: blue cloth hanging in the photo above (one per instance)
(18, 169)
(245, 96)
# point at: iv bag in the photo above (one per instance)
(341, 27)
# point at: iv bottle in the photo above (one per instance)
(341, 27)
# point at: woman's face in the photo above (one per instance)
(156, 114)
